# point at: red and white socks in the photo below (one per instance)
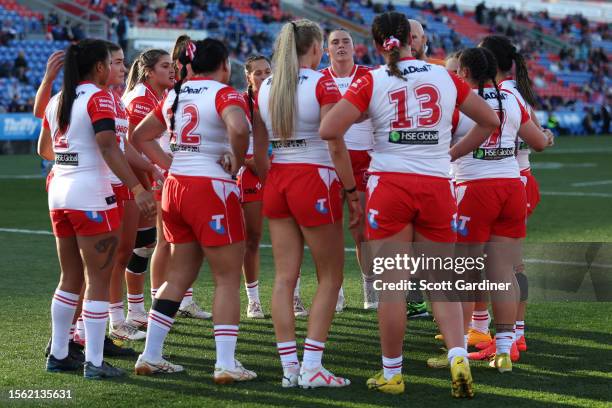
(296, 290)
(136, 303)
(187, 298)
(519, 329)
(252, 291)
(226, 336)
(288, 354)
(481, 320)
(161, 319)
(80, 328)
(72, 331)
(63, 307)
(503, 342)
(153, 293)
(391, 366)
(115, 312)
(95, 316)
(313, 354)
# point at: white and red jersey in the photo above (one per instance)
(412, 118)
(360, 136)
(522, 155)
(139, 102)
(121, 129)
(81, 178)
(496, 156)
(250, 102)
(305, 146)
(200, 136)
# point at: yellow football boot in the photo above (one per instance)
(502, 362)
(395, 385)
(461, 376)
(475, 337)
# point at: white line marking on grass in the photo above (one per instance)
(575, 194)
(568, 263)
(585, 150)
(591, 183)
(559, 165)
(21, 176)
(26, 231)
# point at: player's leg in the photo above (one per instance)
(287, 250)
(144, 245)
(253, 218)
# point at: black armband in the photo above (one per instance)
(104, 125)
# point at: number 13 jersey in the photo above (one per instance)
(412, 118)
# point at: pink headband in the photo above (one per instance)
(391, 43)
(190, 50)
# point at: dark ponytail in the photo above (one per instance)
(392, 32)
(248, 67)
(79, 61)
(507, 54)
(483, 67)
(205, 57)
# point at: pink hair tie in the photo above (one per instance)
(391, 43)
(190, 50)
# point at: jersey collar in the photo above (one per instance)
(200, 78)
(333, 73)
(407, 59)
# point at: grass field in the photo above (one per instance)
(569, 361)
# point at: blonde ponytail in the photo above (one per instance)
(133, 76)
(294, 40)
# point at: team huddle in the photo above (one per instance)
(182, 168)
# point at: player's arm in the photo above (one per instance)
(43, 94)
(139, 164)
(144, 139)
(261, 141)
(474, 107)
(44, 147)
(237, 126)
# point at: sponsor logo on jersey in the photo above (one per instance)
(459, 224)
(414, 137)
(175, 147)
(288, 144)
(496, 153)
(302, 78)
(493, 95)
(320, 206)
(251, 191)
(195, 91)
(372, 213)
(67, 159)
(94, 216)
(413, 70)
(110, 199)
(216, 224)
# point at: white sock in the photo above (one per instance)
(136, 303)
(153, 293)
(95, 316)
(457, 352)
(72, 330)
(296, 290)
(187, 298)
(63, 306)
(465, 341)
(391, 366)
(80, 327)
(503, 342)
(520, 329)
(252, 290)
(313, 353)
(481, 321)
(288, 353)
(341, 292)
(226, 336)
(158, 327)
(115, 311)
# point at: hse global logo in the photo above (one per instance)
(414, 137)
(394, 136)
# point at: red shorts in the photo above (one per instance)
(156, 188)
(123, 194)
(398, 199)
(309, 193)
(201, 209)
(490, 207)
(532, 188)
(360, 160)
(68, 223)
(251, 189)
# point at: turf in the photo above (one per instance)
(569, 361)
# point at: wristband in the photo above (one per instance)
(350, 190)
(137, 189)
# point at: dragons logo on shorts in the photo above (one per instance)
(372, 213)
(460, 225)
(216, 224)
(94, 216)
(320, 206)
